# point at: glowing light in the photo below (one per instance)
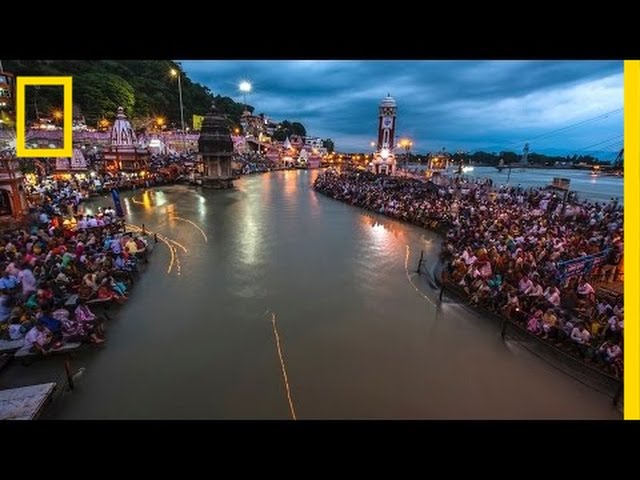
(204, 235)
(384, 153)
(282, 366)
(245, 86)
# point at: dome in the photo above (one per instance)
(122, 133)
(388, 101)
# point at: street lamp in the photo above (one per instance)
(406, 144)
(57, 115)
(176, 73)
(245, 87)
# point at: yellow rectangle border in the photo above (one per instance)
(21, 146)
(631, 239)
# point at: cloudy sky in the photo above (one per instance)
(559, 106)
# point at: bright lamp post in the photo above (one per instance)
(245, 87)
(176, 73)
(406, 144)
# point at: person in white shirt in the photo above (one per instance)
(580, 334)
(585, 288)
(552, 294)
(37, 338)
(15, 330)
(525, 284)
(28, 281)
(535, 290)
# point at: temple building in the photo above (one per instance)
(215, 149)
(384, 160)
(13, 203)
(74, 166)
(123, 153)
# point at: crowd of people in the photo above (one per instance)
(55, 272)
(503, 248)
(253, 162)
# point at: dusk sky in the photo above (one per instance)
(468, 105)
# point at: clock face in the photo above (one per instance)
(387, 122)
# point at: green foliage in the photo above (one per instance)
(101, 94)
(328, 144)
(298, 129)
(280, 135)
(287, 129)
(144, 88)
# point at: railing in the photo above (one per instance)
(561, 356)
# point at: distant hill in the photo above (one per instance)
(145, 88)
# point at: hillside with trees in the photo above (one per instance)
(144, 88)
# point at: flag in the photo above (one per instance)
(197, 122)
(116, 202)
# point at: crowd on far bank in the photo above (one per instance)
(503, 248)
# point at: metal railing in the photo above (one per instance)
(559, 355)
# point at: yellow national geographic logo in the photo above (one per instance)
(21, 135)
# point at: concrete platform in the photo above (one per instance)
(24, 403)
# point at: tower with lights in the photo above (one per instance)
(384, 160)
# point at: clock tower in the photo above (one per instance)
(384, 160)
(387, 123)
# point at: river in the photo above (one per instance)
(600, 188)
(359, 332)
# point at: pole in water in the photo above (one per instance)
(441, 292)
(617, 396)
(504, 328)
(67, 369)
(155, 238)
(144, 231)
(420, 261)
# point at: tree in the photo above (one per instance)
(298, 129)
(100, 94)
(328, 144)
(280, 134)
(155, 89)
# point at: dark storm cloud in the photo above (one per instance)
(452, 104)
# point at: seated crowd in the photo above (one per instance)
(504, 246)
(51, 273)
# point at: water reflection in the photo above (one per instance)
(146, 200)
